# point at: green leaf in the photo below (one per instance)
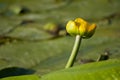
(25, 77)
(30, 33)
(104, 70)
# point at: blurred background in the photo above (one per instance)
(33, 35)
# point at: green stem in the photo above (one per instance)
(74, 51)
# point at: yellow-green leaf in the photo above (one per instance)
(24, 77)
(104, 70)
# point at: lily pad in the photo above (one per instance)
(105, 70)
(25, 77)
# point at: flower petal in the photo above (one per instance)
(72, 28)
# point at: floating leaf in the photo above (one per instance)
(104, 70)
(25, 77)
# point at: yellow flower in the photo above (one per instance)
(72, 28)
(80, 27)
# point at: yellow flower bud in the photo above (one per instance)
(72, 28)
(80, 27)
(90, 31)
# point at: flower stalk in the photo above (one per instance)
(74, 51)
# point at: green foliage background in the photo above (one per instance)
(30, 46)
